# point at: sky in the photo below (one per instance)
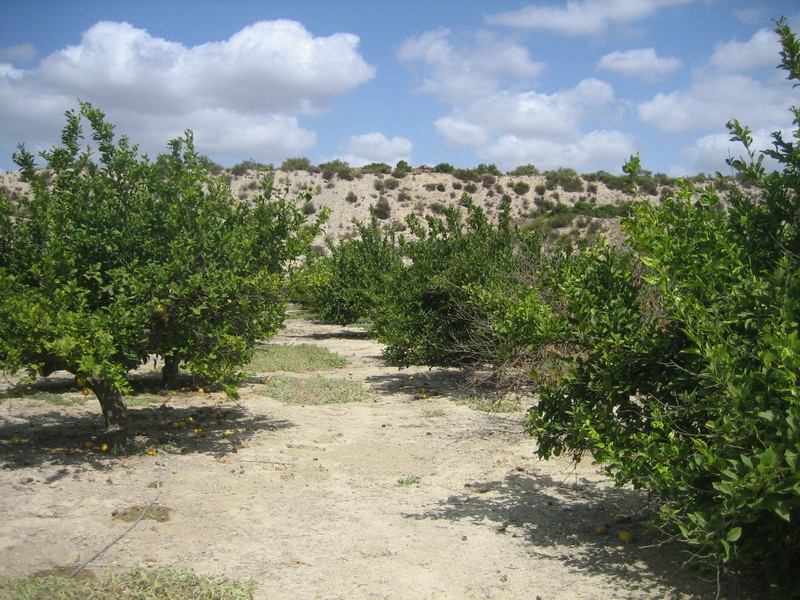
(582, 84)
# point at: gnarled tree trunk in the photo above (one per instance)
(115, 413)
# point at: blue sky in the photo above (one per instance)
(577, 83)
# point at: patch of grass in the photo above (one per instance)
(410, 480)
(433, 413)
(134, 584)
(492, 404)
(304, 357)
(316, 390)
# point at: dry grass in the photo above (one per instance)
(316, 390)
(134, 584)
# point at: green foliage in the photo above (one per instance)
(490, 169)
(521, 188)
(339, 168)
(402, 169)
(612, 182)
(524, 170)
(390, 183)
(299, 358)
(296, 164)
(567, 179)
(244, 166)
(378, 167)
(382, 209)
(344, 287)
(108, 262)
(467, 174)
(686, 361)
(426, 315)
(316, 390)
(444, 168)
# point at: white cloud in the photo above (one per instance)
(23, 53)
(758, 52)
(708, 153)
(240, 96)
(642, 63)
(584, 17)
(376, 147)
(713, 99)
(526, 114)
(512, 128)
(456, 73)
(594, 151)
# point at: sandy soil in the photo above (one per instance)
(416, 193)
(307, 500)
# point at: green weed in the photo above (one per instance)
(304, 357)
(316, 390)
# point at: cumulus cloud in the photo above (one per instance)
(712, 100)
(708, 153)
(245, 91)
(643, 63)
(584, 17)
(593, 151)
(526, 114)
(458, 72)
(758, 52)
(512, 128)
(376, 147)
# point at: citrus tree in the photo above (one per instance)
(689, 387)
(112, 259)
(346, 285)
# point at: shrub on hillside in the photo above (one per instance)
(296, 164)
(521, 188)
(524, 170)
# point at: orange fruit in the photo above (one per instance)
(625, 537)
(88, 445)
(602, 530)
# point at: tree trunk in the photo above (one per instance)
(169, 373)
(115, 414)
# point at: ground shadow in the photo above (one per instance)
(559, 519)
(455, 383)
(70, 432)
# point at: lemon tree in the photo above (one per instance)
(686, 372)
(112, 258)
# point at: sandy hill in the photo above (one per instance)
(424, 193)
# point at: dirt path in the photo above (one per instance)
(400, 498)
